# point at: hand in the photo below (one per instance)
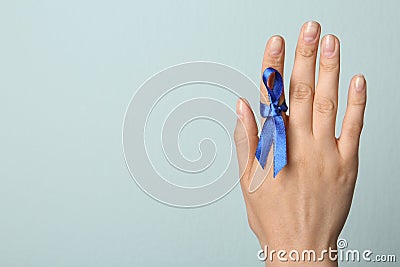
(306, 205)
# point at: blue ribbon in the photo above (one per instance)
(273, 130)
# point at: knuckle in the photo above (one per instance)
(359, 101)
(275, 63)
(354, 129)
(300, 159)
(301, 164)
(239, 135)
(329, 66)
(301, 92)
(306, 51)
(324, 105)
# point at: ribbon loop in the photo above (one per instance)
(273, 131)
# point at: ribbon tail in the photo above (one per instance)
(265, 142)
(280, 159)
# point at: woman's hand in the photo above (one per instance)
(306, 205)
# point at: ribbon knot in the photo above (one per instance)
(273, 131)
(273, 109)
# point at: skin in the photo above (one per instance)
(306, 205)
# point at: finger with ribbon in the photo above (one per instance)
(273, 132)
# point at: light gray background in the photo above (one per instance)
(67, 72)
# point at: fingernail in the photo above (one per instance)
(310, 31)
(245, 100)
(239, 108)
(359, 84)
(275, 45)
(328, 47)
